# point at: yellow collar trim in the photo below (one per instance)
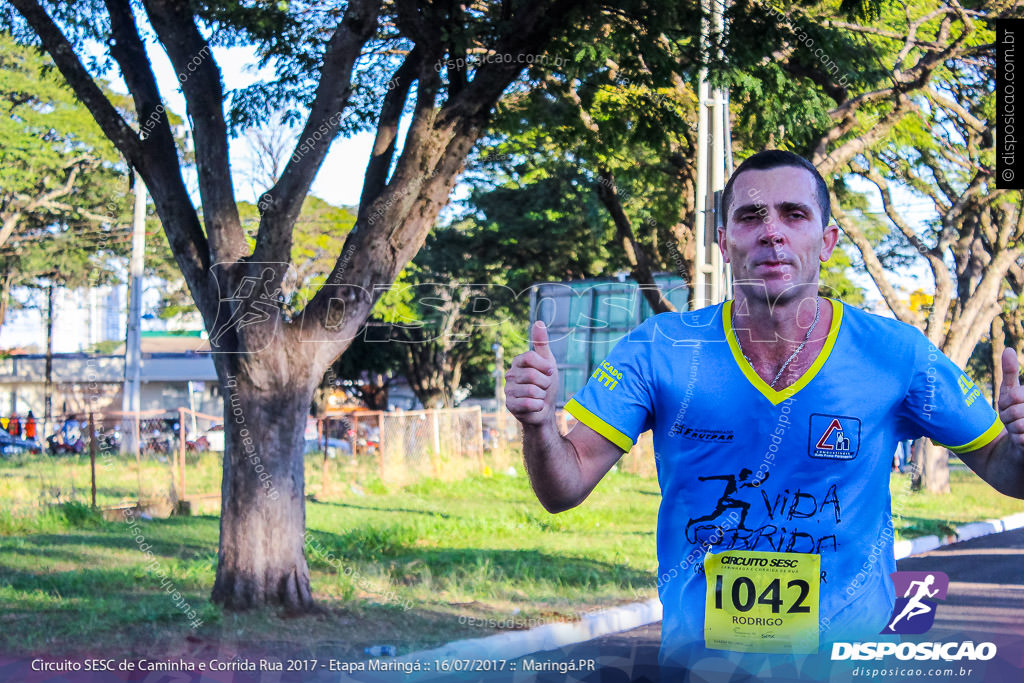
(777, 397)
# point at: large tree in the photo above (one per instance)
(624, 113)
(941, 152)
(62, 184)
(268, 361)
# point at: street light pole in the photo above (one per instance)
(711, 277)
(132, 399)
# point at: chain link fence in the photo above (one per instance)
(178, 462)
(117, 459)
(401, 447)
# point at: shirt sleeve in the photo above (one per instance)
(616, 401)
(945, 405)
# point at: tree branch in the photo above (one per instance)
(284, 200)
(982, 305)
(169, 193)
(45, 199)
(874, 267)
(393, 228)
(635, 254)
(904, 81)
(383, 152)
(530, 27)
(199, 76)
(63, 55)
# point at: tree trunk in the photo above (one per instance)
(642, 270)
(998, 346)
(931, 471)
(319, 406)
(263, 520)
(375, 391)
(432, 399)
(5, 295)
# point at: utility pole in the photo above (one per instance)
(48, 391)
(712, 277)
(132, 401)
(499, 396)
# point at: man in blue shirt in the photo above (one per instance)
(774, 417)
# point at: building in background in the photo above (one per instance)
(177, 371)
(83, 318)
(585, 318)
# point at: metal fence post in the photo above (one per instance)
(181, 449)
(435, 428)
(478, 441)
(323, 470)
(92, 456)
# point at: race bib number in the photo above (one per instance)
(762, 601)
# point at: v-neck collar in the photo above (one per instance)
(778, 396)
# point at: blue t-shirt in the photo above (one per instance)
(804, 469)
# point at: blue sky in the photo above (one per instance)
(340, 179)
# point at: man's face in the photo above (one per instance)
(773, 236)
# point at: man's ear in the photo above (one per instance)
(829, 239)
(721, 243)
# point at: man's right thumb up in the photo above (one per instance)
(539, 337)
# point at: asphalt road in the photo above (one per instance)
(985, 603)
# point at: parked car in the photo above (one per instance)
(333, 446)
(12, 445)
(214, 438)
(315, 442)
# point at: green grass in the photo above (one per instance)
(29, 482)
(482, 548)
(405, 566)
(918, 513)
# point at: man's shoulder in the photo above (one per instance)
(881, 341)
(676, 327)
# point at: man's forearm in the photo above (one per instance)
(553, 466)
(1004, 470)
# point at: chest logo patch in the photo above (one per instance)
(834, 437)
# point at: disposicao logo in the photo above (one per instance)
(947, 652)
(914, 612)
(917, 594)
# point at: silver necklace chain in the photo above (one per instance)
(817, 314)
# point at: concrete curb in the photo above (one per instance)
(967, 531)
(615, 619)
(547, 637)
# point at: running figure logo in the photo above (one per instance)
(914, 613)
(729, 499)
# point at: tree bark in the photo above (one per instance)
(5, 295)
(268, 367)
(635, 253)
(374, 391)
(998, 345)
(263, 520)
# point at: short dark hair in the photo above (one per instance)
(774, 158)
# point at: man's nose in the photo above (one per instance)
(770, 233)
